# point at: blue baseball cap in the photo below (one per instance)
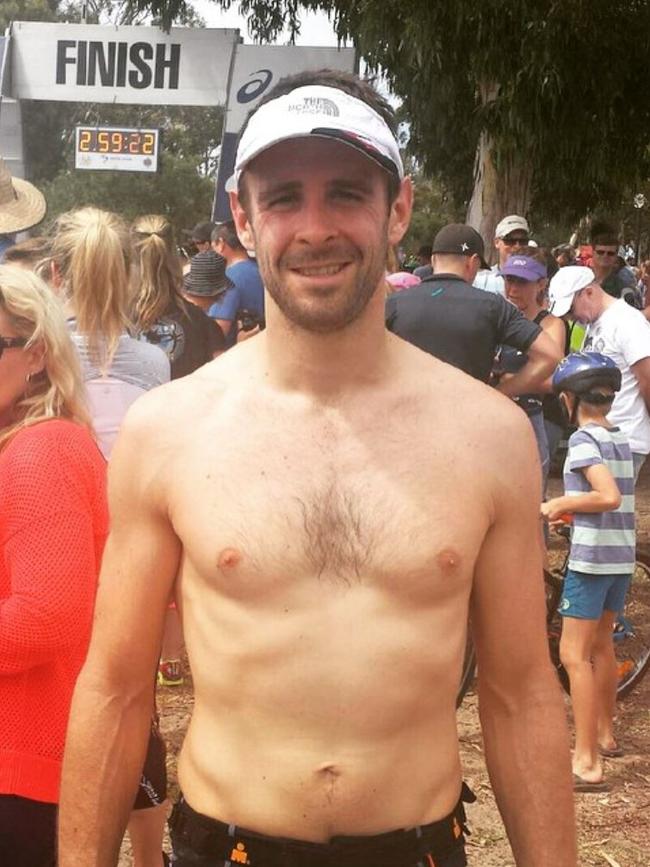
(524, 267)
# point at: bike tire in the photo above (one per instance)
(633, 648)
(553, 583)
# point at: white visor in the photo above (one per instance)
(327, 112)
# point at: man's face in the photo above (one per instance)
(318, 217)
(605, 256)
(512, 243)
(585, 307)
(218, 245)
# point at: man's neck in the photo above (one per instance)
(602, 272)
(236, 256)
(327, 366)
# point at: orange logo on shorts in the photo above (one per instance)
(238, 854)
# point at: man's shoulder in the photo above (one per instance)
(467, 400)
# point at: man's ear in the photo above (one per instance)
(242, 224)
(400, 212)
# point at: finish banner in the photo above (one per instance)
(120, 64)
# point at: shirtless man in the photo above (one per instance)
(327, 502)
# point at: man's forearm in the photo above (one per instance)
(528, 759)
(104, 755)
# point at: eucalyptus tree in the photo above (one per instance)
(524, 105)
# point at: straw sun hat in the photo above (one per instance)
(21, 204)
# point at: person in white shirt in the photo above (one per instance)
(619, 331)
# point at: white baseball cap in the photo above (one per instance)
(565, 284)
(326, 112)
(511, 224)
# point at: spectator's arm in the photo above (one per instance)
(641, 371)
(53, 573)
(543, 358)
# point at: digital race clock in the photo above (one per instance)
(117, 148)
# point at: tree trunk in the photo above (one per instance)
(502, 186)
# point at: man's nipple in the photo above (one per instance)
(228, 558)
(448, 560)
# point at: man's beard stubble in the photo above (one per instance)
(323, 318)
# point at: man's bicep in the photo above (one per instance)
(139, 566)
(641, 371)
(508, 609)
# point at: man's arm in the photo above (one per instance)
(520, 703)
(641, 371)
(113, 699)
(543, 357)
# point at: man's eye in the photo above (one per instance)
(282, 201)
(349, 195)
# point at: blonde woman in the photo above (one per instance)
(90, 263)
(189, 336)
(53, 523)
(90, 267)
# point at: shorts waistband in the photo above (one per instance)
(231, 843)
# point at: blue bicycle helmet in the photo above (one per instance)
(581, 372)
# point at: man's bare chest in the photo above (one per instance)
(257, 513)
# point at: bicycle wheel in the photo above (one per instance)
(553, 583)
(469, 667)
(632, 632)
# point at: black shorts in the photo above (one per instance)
(199, 841)
(152, 790)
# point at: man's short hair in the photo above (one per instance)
(604, 234)
(344, 81)
(202, 232)
(227, 233)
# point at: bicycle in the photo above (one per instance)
(631, 631)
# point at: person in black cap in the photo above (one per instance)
(207, 286)
(447, 317)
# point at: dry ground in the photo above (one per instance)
(613, 828)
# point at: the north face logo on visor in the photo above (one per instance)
(316, 105)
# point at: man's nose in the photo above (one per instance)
(317, 224)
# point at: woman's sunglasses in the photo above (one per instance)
(11, 342)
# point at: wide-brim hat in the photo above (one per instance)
(207, 275)
(21, 204)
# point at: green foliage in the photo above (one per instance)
(562, 86)
(177, 191)
(432, 209)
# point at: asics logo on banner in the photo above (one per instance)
(316, 105)
(256, 86)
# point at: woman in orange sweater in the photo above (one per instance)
(53, 523)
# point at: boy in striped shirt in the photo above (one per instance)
(599, 496)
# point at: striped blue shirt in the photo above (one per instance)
(602, 543)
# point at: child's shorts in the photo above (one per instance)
(586, 596)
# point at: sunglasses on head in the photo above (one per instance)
(522, 240)
(11, 343)
(606, 252)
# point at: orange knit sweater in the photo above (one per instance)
(53, 524)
